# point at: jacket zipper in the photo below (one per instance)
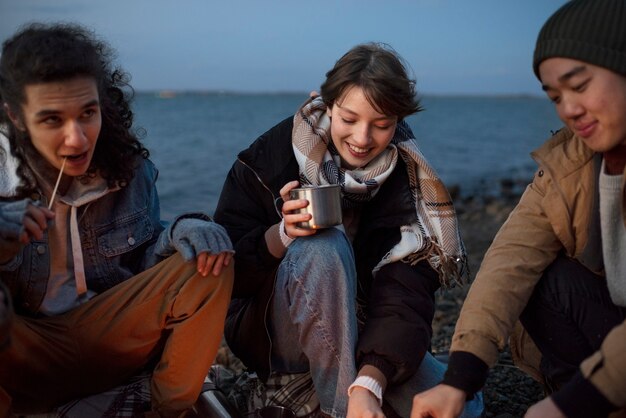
(267, 306)
(274, 198)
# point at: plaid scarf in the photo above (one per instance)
(434, 236)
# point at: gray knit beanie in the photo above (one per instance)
(592, 31)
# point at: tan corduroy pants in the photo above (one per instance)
(168, 317)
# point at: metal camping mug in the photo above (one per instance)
(324, 205)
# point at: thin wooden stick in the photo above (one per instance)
(56, 186)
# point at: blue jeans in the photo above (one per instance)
(313, 325)
(313, 316)
(429, 374)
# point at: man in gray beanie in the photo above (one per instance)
(553, 282)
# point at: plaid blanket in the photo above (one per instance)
(129, 400)
(248, 393)
(244, 391)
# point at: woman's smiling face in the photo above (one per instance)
(358, 131)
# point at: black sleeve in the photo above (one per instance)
(249, 205)
(580, 398)
(466, 372)
(398, 328)
(242, 211)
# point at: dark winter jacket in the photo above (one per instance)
(399, 300)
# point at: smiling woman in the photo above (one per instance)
(351, 305)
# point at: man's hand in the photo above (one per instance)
(20, 222)
(214, 263)
(35, 223)
(442, 401)
(205, 241)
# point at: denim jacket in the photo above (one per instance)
(121, 235)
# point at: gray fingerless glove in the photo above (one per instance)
(191, 237)
(11, 225)
(11, 218)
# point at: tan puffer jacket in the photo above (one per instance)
(553, 215)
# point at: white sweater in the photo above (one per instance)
(613, 235)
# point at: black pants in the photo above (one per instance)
(568, 316)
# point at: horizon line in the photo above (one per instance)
(171, 93)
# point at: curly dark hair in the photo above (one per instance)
(380, 72)
(40, 53)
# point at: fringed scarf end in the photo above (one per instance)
(452, 270)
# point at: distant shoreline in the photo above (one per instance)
(171, 93)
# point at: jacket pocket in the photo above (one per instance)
(125, 234)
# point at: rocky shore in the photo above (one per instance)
(508, 392)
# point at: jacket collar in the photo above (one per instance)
(563, 154)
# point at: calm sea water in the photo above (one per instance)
(471, 141)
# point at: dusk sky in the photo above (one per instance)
(452, 46)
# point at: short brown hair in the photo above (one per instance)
(380, 72)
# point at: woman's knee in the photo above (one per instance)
(326, 250)
(321, 261)
(324, 243)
